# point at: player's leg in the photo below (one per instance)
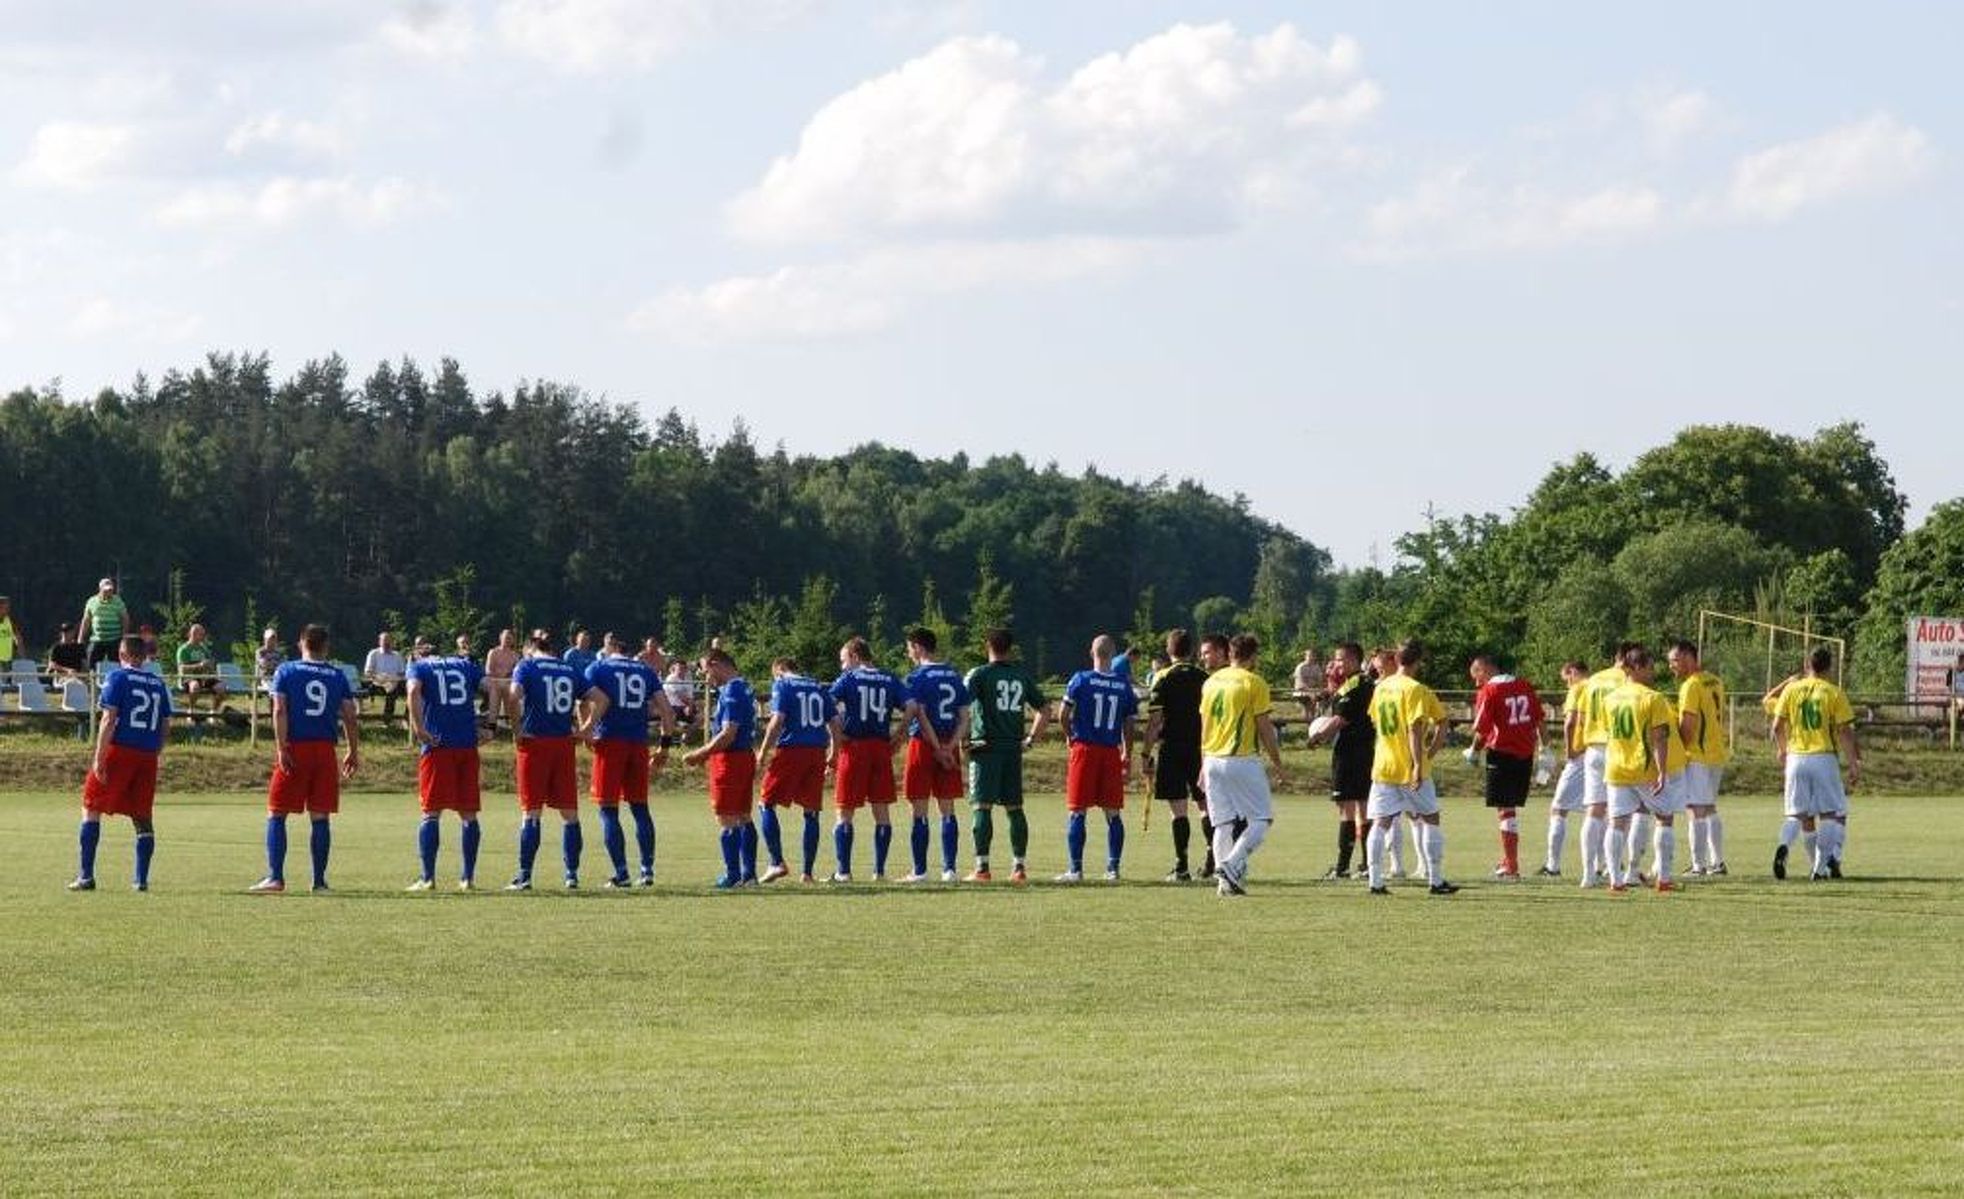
(1254, 809)
(1642, 826)
(429, 839)
(636, 797)
(470, 840)
(146, 850)
(951, 827)
(1078, 783)
(918, 835)
(1664, 850)
(729, 839)
(842, 844)
(1794, 803)
(1111, 800)
(572, 841)
(1714, 824)
(882, 839)
(432, 793)
(530, 835)
(1382, 808)
(275, 877)
(320, 845)
(88, 838)
(772, 833)
(1182, 826)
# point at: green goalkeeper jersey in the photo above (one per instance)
(1002, 690)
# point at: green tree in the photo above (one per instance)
(991, 601)
(1921, 575)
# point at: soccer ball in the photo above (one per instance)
(1321, 728)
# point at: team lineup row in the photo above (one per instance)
(1207, 728)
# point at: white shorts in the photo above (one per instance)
(1389, 799)
(1595, 783)
(1701, 784)
(1569, 787)
(1237, 789)
(1814, 786)
(1628, 799)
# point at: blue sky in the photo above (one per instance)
(1275, 247)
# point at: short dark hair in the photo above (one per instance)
(612, 638)
(1217, 641)
(1352, 648)
(131, 645)
(1411, 651)
(1179, 643)
(1577, 665)
(719, 657)
(1636, 658)
(1243, 647)
(1487, 658)
(1820, 658)
(542, 640)
(1685, 647)
(314, 637)
(785, 663)
(1624, 649)
(1000, 640)
(857, 647)
(923, 637)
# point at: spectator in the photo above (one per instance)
(580, 656)
(68, 658)
(652, 655)
(499, 663)
(197, 669)
(105, 618)
(1310, 682)
(382, 672)
(10, 642)
(271, 654)
(148, 636)
(681, 692)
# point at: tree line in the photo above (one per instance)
(413, 501)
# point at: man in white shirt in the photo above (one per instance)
(383, 671)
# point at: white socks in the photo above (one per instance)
(1714, 841)
(1827, 844)
(1619, 864)
(1640, 834)
(1223, 843)
(1666, 847)
(1593, 866)
(1557, 835)
(1395, 846)
(1433, 838)
(1245, 845)
(1374, 851)
(1789, 829)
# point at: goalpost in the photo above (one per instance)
(1744, 649)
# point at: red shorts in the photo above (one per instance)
(312, 786)
(447, 778)
(865, 773)
(796, 775)
(925, 777)
(732, 774)
(128, 786)
(546, 778)
(1095, 778)
(620, 772)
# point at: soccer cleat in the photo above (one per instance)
(807, 878)
(268, 886)
(1207, 872)
(1224, 888)
(1397, 874)
(1780, 862)
(947, 876)
(1334, 875)
(139, 886)
(1179, 874)
(1590, 881)
(1548, 872)
(839, 877)
(1695, 872)
(422, 884)
(1111, 876)
(1642, 879)
(1231, 880)
(879, 878)
(915, 877)
(1716, 871)
(521, 883)
(1018, 874)
(1619, 888)
(1502, 874)
(748, 880)
(1665, 884)
(464, 884)
(1442, 887)
(572, 882)
(1379, 891)
(775, 873)
(319, 886)
(727, 882)
(647, 879)
(1834, 867)
(979, 875)
(1071, 876)
(617, 883)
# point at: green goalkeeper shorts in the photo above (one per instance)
(995, 777)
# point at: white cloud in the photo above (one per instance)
(1670, 116)
(1878, 154)
(585, 36)
(1165, 136)
(867, 293)
(288, 199)
(74, 155)
(1455, 213)
(99, 317)
(431, 29)
(277, 132)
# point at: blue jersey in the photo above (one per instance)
(581, 660)
(941, 693)
(549, 691)
(142, 702)
(448, 687)
(736, 706)
(806, 710)
(628, 684)
(1122, 666)
(314, 693)
(867, 697)
(1101, 703)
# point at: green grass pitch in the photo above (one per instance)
(1741, 1037)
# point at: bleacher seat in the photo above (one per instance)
(234, 679)
(23, 670)
(34, 697)
(75, 696)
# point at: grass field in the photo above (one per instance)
(1741, 1037)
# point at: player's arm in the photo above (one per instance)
(1154, 720)
(915, 714)
(1129, 730)
(597, 704)
(724, 738)
(282, 748)
(1415, 744)
(1271, 743)
(105, 733)
(1851, 752)
(418, 732)
(351, 728)
(666, 711)
(1482, 731)
(1038, 726)
(1572, 733)
(834, 737)
(1780, 736)
(957, 741)
(1660, 747)
(773, 729)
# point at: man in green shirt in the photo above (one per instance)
(197, 669)
(105, 619)
(994, 748)
(9, 635)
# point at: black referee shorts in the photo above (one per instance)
(1508, 780)
(1176, 772)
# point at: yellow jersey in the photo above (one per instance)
(1703, 695)
(1230, 701)
(1814, 710)
(1573, 706)
(1595, 700)
(1400, 704)
(1633, 711)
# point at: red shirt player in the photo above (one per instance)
(122, 778)
(1507, 723)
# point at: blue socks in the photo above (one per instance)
(614, 839)
(429, 835)
(841, 846)
(276, 847)
(146, 847)
(473, 837)
(529, 836)
(91, 837)
(773, 835)
(320, 838)
(917, 841)
(882, 845)
(1074, 841)
(951, 841)
(644, 835)
(571, 842)
(731, 839)
(747, 843)
(1114, 842)
(811, 842)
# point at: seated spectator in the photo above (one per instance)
(68, 658)
(681, 692)
(270, 656)
(10, 642)
(148, 636)
(383, 673)
(197, 669)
